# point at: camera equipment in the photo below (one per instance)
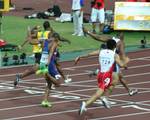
(143, 42)
(23, 58)
(15, 59)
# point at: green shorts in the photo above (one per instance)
(42, 69)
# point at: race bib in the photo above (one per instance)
(44, 58)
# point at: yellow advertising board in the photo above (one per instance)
(132, 16)
(4, 5)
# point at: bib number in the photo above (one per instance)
(107, 81)
(44, 58)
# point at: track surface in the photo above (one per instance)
(23, 102)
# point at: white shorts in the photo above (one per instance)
(98, 14)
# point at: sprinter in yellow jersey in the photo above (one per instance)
(34, 39)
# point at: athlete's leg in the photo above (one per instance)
(66, 79)
(45, 102)
(101, 18)
(101, 27)
(94, 27)
(53, 80)
(60, 70)
(83, 106)
(97, 95)
(108, 91)
(26, 73)
(115, 81)
(93, 19)
(29, 71)
(124, 83)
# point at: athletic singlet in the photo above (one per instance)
(36, 48)
(43, 35)
(45, 52)
(106, 60)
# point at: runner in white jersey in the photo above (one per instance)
(107, 59)
(120, 49)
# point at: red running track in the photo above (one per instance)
(23, 102)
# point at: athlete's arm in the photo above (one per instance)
(101, 38)
(94, 53)
(62, 39)
(119, 62)
(26, 40)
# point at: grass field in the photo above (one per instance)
(14, 31)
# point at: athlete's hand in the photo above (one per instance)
(77, 60)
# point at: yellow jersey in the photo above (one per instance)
(40, 36)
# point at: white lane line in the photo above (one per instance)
(82, 66)
(136, 107)
(139, 88)
(57, 113)
(120, 116)
(81, 82)
(84, 73)
(33, 79)
(83, 86)
(87, 81)
(60, 102)
(148, 59)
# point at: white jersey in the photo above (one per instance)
(76, 5)
(106, 60)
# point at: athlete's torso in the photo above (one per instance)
(106, 60)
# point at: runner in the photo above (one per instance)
(49, 56)
(120, 50)
(107, 59)
(117, 72)
(31, 38)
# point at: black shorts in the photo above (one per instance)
(37, 57)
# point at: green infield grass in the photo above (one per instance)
(14, 30)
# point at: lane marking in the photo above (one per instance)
(61, 102)
(57, 113)
(68, 91)
(136, 107)
(74, 67)
(2, 87)
(121, 116)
